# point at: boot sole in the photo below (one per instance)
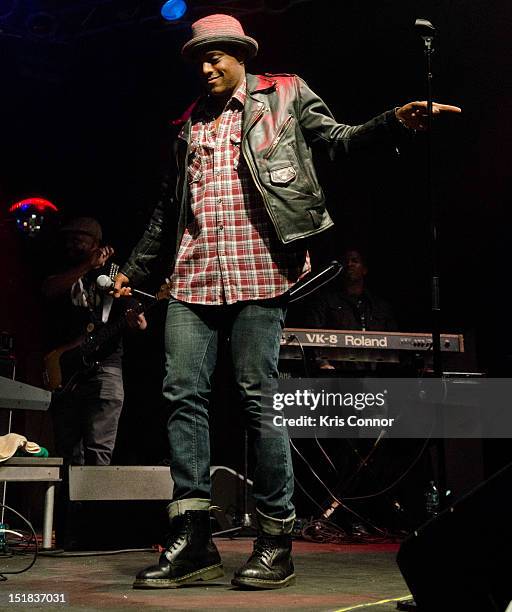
(255, 583)
(207, 573)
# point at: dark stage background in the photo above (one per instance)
(85, 123)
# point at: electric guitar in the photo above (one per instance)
(64, 365)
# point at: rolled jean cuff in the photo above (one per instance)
(274, 526)
(180, 506)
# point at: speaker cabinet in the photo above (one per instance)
(460, 560)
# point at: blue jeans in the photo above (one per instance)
(192, 335)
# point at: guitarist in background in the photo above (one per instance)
(86, 417)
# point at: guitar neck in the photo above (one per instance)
(112, 329)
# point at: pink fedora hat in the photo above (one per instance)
(218, 29)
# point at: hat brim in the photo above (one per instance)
(78, 230)
(194, 47)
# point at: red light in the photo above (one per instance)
(40, 204)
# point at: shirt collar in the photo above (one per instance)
(236, 100)
(240, 94)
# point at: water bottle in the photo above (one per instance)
(3, 540)
(432, 499)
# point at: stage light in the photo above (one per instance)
(30, 214)
(173, 10)
(40, 204)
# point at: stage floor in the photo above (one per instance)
(329, 577)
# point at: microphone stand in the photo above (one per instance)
(245, 527)
(300, 290)
(427, 33)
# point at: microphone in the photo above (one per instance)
(104, 282)
(425, 28)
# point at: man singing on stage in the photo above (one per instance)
(234, 222)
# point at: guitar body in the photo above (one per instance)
(64, 365)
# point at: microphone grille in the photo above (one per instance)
(104, 281)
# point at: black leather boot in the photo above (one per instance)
(191, 555)
(270, 566)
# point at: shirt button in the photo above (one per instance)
(221, 227)
(219, 200)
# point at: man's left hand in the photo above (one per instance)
(414, 114)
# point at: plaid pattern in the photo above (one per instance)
(229, 252)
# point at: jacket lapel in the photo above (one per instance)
(254, 106)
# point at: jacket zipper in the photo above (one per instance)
(277, 138)
(255, 177)
(254, 119)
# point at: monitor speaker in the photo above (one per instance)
(460, 560)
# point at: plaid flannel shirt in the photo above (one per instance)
(229, 251)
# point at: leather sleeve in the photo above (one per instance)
(156, 242)
(317, 120)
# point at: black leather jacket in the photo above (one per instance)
(282, 119)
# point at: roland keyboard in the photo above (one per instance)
(356, 345)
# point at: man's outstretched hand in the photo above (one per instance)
(414, 114)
